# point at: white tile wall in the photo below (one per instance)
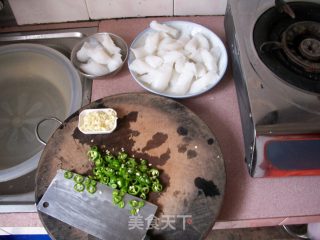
(104, 9)
(200, 7)
(47, 11)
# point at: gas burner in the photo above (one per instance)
(301, 45)
(290, 48)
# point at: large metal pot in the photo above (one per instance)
(36, 82)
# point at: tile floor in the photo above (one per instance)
(266, 233)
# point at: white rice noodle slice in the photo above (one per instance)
(94, 68)
(161, 53)
(192, 45)
(146, 78)
(161, 77)
(196, 56)
(152, 42)
(173, 56)
(154, 61)
(115, 62)
(200, 70)
(140, 67)
(93, 42)
(201, 84)
(174, 77)
(164, 28)
(216, 52)
(175, 46)
(209, 60)
(139, 52)
(109, 45)
(84, 52)
(183, 83)
(179, 64)
(202, 40)
(164, 43)
(184, 39)
(99, 55)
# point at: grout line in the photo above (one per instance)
(173, 7)
(3, 232)
(22, 230)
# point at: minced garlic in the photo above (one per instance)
(98, 121)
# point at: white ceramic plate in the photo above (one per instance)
(185, 28)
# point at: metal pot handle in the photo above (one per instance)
(294, 234)
(37, 128)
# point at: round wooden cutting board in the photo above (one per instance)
(170, 137)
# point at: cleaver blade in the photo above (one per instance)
(95, 213)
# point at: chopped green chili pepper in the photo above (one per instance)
(134, 211)
(143, 196)
(122, 192)
(145, 189)
(133, 203)
(156, 187)
(68, 174)
(78, 178)
(154, 172)
(117, 199)
(104, 180)
(130, 170)
(125, 174)
(140, 204)
(93, 182)
(108, 158)
(93, 154)
(131, 162)
(143, 162)
(115, 164)
(87, 181)
(143, 168)
(91, 189)
(98, 161)
(79, 187)
(113, 185)
(121, 204)
(122, 156)
(133, 189)
(120, 182)
(108, 171)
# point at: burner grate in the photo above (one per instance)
(291, 47)
(301, 44)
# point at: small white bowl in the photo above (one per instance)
(185, 28)
(118, 41)
(108, 111)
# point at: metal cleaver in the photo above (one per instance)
(95, 213)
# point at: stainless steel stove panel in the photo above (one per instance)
(268, 105)
(263, 84)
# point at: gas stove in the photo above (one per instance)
(275, 52)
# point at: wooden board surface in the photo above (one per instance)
(169, 136)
